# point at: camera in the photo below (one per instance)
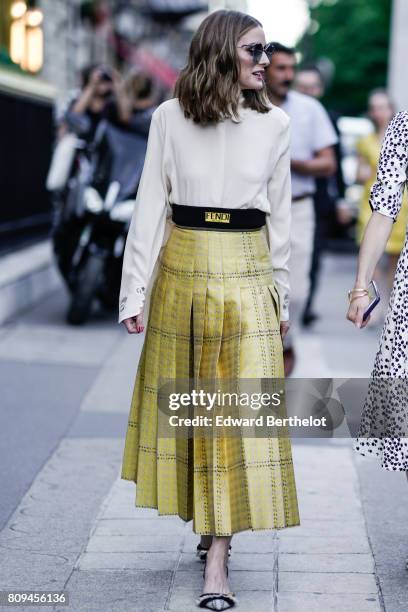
(106, 75)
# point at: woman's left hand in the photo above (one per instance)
(356, 310)
(284, 328)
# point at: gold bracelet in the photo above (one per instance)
(361, 293)
(356, 297)
(358, 291)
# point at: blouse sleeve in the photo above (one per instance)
(387, 191)
(279, 219)
(147, 225)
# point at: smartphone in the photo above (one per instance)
(375, 295)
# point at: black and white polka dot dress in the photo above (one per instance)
(383, 431)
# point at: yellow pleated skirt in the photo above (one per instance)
(213, 313)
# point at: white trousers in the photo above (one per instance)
(301, 242)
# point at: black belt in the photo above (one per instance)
(206, 217)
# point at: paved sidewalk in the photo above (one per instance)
(327, 564)
(324, 565)
(162, 550)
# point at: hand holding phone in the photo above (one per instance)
(375, 299)
(370, 295)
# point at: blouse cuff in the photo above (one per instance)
(284, 314)
(283, 294)
(131, 305)
(283, 301)
(385, 201)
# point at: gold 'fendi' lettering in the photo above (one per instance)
(217, 217)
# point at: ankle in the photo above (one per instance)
(215, 569)
(217, 555)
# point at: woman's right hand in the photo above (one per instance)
(134, 325)
(356, 311)
(284, 328)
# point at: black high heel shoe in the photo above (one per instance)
(202, 551)
(216, 601)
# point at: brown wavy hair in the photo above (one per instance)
(208, 87)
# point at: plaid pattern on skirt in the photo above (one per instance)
(213, 313)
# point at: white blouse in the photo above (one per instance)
(241, 162)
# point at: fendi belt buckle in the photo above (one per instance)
(217, 217)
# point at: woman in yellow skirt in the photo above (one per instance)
(213, 280)
(380, 111)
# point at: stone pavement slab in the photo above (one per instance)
(325, 569)
(336, 545)
(99, 591)
(112, 391)
(134, 543)
(385, 498)
(327, 562)
(327, 582)
(47, 344)
(321, 602)
(128, 561)
(328, 528)
(130, 527)
(47, 532)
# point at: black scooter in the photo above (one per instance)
(93, 214)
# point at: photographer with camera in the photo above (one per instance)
(102, 96)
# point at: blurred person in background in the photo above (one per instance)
(102, 96)
(380, 110)
(142, 98)
(113, 117)
(312, 155)
(329, 197)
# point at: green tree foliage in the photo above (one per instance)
(354, 35)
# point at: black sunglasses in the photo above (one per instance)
(257, 50)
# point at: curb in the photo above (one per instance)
(25, 277)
